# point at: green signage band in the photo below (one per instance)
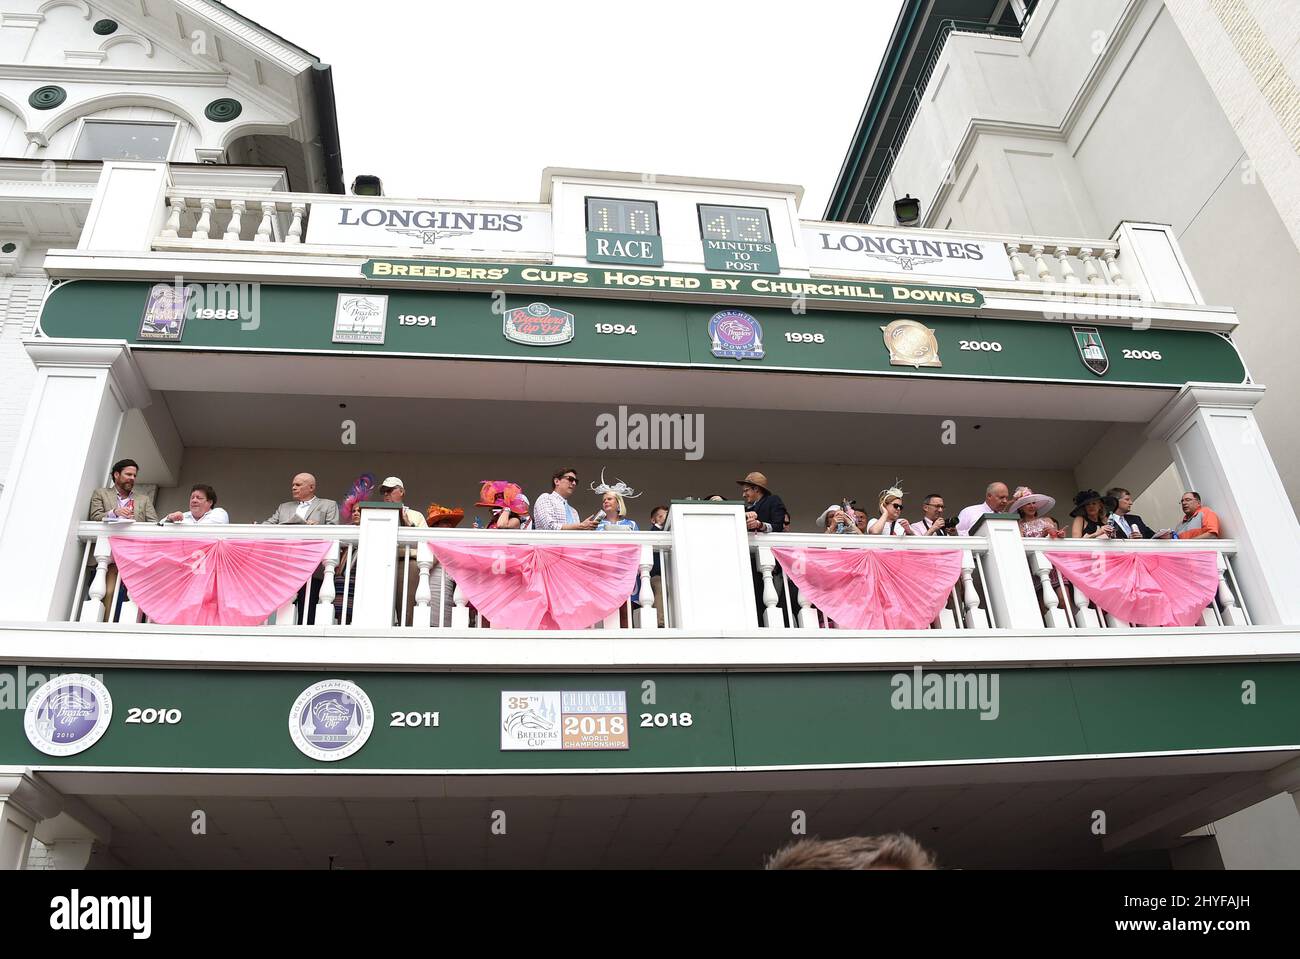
(239, 719)
(625, 248)
(707, 285)
(542, 327)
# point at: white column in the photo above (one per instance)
(1009, 584)
(376, 566)
(24, 802)
(1220, 453)
(129, 210)
(64, 451)
(713, 585)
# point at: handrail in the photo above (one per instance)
(89, 529)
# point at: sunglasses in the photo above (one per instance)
(895, 505)
(569, 479)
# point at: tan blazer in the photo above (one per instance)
(323, 512)
(104, 501)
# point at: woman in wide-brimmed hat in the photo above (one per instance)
(508, 504)
(1091, 520)
(1033, 509)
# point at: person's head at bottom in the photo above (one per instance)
(892, 851)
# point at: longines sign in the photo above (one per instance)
(636, 283)
(362, 221)
(836, 246)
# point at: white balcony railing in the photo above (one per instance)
(99, 596)
(425, 597)
(1065, 607)
(199, 218)
(438, 602)
(967, 606)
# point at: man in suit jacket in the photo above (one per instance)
(115, 504)
(1127, 525)
(765, 512)
(306, 507)
(120, 501)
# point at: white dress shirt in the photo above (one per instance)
(303, 508)
(969, 516)
(215, 516)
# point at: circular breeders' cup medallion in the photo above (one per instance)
(68, 714)
(331, 720)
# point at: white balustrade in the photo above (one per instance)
(967, 607)
(435, 600)
(1066, 607)
(96, 606)
(223, 218)
(638, 612)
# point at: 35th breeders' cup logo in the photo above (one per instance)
(68, 714)
(537, 324)
(331, 720)
(736, 335)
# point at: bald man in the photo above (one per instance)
(996, 498)
(306, 506)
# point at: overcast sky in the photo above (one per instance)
(472, 101)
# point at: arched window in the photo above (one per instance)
(102, 139)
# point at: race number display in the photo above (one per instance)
(737, 239)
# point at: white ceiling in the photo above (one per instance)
(268, 421)
(1005, 815)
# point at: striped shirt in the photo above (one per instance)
(552, 511)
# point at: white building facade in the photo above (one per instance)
(190, 83)
(676, 334)
(1071, 117)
